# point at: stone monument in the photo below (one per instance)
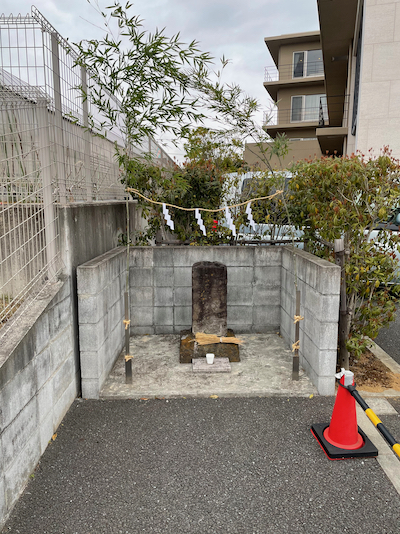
(209, 314)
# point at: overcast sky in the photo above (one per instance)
(233, 28)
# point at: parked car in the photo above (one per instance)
(392, 225)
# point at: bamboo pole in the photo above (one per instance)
(296, 359)
(128, 359)
(343, 315)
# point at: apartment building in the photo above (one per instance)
(296, 84)
(361, 48)
(337, 91)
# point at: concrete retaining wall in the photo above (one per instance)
(319, 285)
(39, 356)
(38, 383)
(101, 285)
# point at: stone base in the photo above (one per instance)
(190, 350)
(220, 365)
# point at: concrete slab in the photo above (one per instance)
(380, 406)
(220, 365)
(265, 369)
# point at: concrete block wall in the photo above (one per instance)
(319, 285)
(101, 286)
(38, 383)
(77, 245)
(161, 287)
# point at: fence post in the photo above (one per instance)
(58, 134)
(48, 202)
(87, 149)
(343, 315)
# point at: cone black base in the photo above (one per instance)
(368, 450)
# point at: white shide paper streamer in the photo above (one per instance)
(200, 221)
(230, 221)
(167, 217)
(250, 216)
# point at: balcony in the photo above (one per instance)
(334, 112)
(292, 118)
(332, 115)
(293, 74)
(329, 121)
(293, 71)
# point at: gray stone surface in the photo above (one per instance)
(163, 276)
(240, 295)
(267, 295)
(265, 369)
(141, 297)
(142, 317)
(163, 316)
(163, 296)
(183, 317)
(141, 257)
(209, 298)
(187, 256)
(267, 275)
(241, 276)
(240, 315)
(235, 256)
(219, 365)
(271, 256)
(16, 477)
(141, 276)
(2, 494)
(182, 277)
(182, 296)
(266, 316)
(16, 436)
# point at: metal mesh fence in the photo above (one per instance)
(48, 155)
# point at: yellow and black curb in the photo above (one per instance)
(375, 420)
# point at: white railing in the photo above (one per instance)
(292, 72)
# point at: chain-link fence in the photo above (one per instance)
(48, 155)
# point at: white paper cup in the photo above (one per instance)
(210, 358)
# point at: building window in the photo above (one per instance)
(308, 63)
(309, 108)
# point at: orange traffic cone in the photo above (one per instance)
(342, 438)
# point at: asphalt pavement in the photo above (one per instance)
(389, 338)
(203, 465)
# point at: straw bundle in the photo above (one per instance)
(209, 339)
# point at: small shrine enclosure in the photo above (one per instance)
(260, 299)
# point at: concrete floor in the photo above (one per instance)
(265, 369)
